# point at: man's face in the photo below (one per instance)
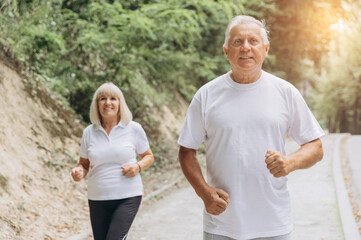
(246, 49)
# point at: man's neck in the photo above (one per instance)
(245, 77)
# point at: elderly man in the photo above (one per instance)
(243, 117)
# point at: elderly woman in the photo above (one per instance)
(108, 152)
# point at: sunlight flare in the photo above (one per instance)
(340, 26)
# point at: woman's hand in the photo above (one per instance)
(131, 170)
(78, 173)
(81, 170)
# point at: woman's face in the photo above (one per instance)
(108, 106)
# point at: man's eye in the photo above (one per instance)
(254, 41)
(237, 43)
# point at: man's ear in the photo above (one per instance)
(224, 49)
(267, 48)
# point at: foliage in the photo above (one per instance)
(299, 30)
(316, 43)
(153, 48)
(149, 48)
(337, 97)
(3, 183)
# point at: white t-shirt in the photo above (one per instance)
(107, 154)
(239, 123)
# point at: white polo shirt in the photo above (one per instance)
(239, 123)
(107, 154)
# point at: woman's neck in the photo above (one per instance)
(108, 124)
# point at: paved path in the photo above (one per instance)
(353, 183)
(179, 214)
(313, 195)
(353, 149)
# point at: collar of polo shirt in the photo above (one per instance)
(120, 124)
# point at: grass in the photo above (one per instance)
(3, 182)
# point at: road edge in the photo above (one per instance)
(348, 221)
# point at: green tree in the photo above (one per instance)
(299, 30)
(150, 48)
(337, 97)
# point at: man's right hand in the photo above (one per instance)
(215, 200)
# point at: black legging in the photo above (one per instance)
(111, 219)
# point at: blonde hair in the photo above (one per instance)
(112, 90)
(244, 19)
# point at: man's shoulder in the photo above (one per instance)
(279, 82)
(215, 83)
(275, 78)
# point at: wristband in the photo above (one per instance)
(140, 168)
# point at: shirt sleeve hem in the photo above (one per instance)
(187, 144)
(311, 138)
(143, 150)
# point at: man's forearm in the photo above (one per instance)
(192, 170)
(215, 200)
(307, 156)
(280, 165)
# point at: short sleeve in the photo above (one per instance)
(303, 124)
(84, 144)
(193, 131)
(141, 144)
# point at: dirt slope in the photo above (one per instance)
(38, 146)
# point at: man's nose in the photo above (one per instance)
(245, 45)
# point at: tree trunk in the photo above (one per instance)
(344, 125)
(356, 118)
(330, 125)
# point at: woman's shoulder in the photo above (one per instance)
(90, 128)
(134, 125)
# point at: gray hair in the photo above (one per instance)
(112, 90)
(242, 19)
